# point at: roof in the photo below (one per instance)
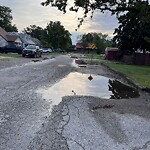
(111, 49)
(79, 45)
(25, 38)
(36, 41)
(3, 33)
(7, 36)
(11, 38)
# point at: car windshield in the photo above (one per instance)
(30, 47)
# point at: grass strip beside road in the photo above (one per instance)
(16, 55)
(94, 56)
(138, 74)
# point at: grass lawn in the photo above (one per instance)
(139, 74)
(94, 56)
(16, 55)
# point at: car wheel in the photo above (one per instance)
(35, 55)
(40, 55)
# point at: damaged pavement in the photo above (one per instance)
(28, 121)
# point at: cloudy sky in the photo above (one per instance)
(29, 12)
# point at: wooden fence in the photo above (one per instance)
(138, 59)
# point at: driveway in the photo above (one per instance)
(28, 120)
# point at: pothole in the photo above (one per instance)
(79, 84)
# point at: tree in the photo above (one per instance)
(6, 19)
(100, 40)
(133, 16)
(89, 6)
(133, 32)
(54, 35)
(34, 31)
(57, 36)
(86, 39)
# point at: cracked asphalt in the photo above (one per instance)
(29, 122)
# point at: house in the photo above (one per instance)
(25, 38)
(8, 41)
(3, 38)
(88, 48)
(36, 41)
(79, 46)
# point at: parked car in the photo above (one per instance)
(46, 50)
(60, 50)
(32, 51)
(11, 50)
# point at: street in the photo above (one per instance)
(29, 121)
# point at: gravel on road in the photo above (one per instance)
(27, 121)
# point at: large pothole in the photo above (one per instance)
(80, 84)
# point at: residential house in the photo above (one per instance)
(36, 41)
(9, 41)
(3, 38)
(88, 48)
(25, 38)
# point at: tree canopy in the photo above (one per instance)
(34, 31)
(115, 6)
(6, 19)
(54, 35)
(100, 40)
(57, 35)
(133, 32)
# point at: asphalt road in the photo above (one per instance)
(28, 122)
(22, 112)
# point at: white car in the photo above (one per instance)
(46, 50)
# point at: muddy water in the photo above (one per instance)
(79, 84)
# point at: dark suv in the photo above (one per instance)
(32, 51)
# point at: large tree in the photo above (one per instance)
(115, 6)
(133, 16)
(133, 32)
(54, 35)
(6, 19)
(57, 36)
(100, 40)
(34, 31)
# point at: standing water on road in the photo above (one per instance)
(79, 84)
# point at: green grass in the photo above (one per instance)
(139, 74)
(94, 56)
(11, 55)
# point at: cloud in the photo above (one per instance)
(29, 12)
(104, 23)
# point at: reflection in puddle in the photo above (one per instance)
(79, 84)
(120, 90)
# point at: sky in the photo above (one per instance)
(30, 12)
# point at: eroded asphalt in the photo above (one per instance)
(28, 122)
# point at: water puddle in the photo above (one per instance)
(80, 84)
(78, 65)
